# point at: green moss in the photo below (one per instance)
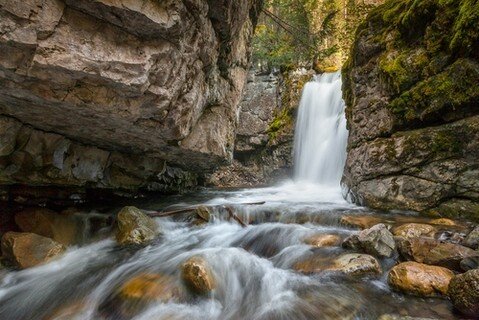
(450, 91)
(465, 38)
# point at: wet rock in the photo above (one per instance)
(434, 252)
(377, 241)
(137, 293)
(67, 312)
(398, 317)
(360, 222)
(464, 292)
(323, 240)
(197, 275)
(420, 279)
(470, 263)
(472, 239)
(203, 213)
(414, 230)
(353, 264)
(134, 227)
(65, 229)
(27, 250)
(443, 222)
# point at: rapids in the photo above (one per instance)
(252, 265)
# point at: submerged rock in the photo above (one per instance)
(415, 230)
(135, 227)
(434, 252)
(137, 293)
(360, 222)
(464, 292)
(353, 264)
(377, 241)
(323, 240)
(420, 279)
(472, 239)
(197, 275)
(27, 250)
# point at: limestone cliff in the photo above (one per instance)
(411, 87)
(112, 93)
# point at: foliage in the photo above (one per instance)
(284, 36)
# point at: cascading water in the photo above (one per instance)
(253, 266)
(321, 134)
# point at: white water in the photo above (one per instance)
(321, 134)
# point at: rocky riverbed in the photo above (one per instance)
(229, 256)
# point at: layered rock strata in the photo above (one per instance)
(89, 85)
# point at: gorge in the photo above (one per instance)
(151, 167)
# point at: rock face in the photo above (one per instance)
(134, 227)
(104, 92)
(263, 150)
(464, 292)
(420, 279)
(410, 86)
(376, 240)
(27, 250)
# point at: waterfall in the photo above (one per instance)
(321, 134)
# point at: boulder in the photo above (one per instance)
(134, 227)
(360, 222)
(323, 240)
(377, 241)
(434, 252)
(197, 275)
(65, 229)
(27, 250)
(464, 292)
(420, 279)
(353, 264)
(414, 230)
(472, 239)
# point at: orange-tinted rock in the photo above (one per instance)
(414, 230)
(361, 222)
(323, 240)
(149, 286)
(443, 222)
(354, 264)
(197, 275)
(420, 279)
(27, 250)
(134, 227)
(434, 252)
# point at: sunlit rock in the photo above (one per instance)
(353, 264)
(360, 222)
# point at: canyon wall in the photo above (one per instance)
(411, 86)
(120, 93)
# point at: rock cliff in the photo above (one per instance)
(111, 93)
(411, 86)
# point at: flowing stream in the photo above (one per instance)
(253, 265)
